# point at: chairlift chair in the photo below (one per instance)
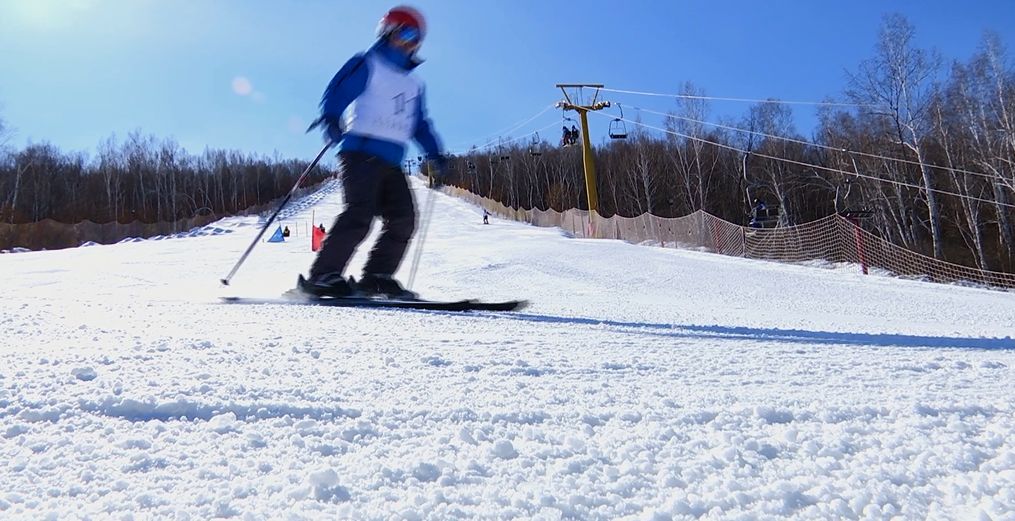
(857, 213)
(618, 129)
(762, 214)
(767, 218)
(535, 147)
(574, 123)
(856, 208)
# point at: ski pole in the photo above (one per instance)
(225, 281)
(427, 211)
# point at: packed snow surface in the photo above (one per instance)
(641, 383)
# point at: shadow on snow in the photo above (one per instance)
(780, 335)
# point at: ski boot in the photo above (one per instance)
(332, 285)
(376, 285)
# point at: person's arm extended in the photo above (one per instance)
(424, 134)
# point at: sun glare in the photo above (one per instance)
(49, 14)
(242, 86)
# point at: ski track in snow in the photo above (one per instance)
(642, 383)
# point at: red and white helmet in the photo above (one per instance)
(400, 17)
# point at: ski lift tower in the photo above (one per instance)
(568, 104)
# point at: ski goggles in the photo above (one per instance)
(408, 34)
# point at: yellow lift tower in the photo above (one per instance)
(574, 104)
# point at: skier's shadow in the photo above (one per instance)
(777, 335)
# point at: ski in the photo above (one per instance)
(364, 302)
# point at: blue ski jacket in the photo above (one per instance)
(351, 82)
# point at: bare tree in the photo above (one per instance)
(142, 179)
(994, 80)
(898, 83)
(4, 134)
(770, 122)
(693, 174)
(973, 188)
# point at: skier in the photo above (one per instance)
(756, 214)
(486, 216)
(386, 109)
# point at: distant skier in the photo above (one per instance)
(386, 110)
(486, 216)
(756, 214)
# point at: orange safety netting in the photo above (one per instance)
(834, 239)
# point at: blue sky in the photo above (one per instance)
(248, 74)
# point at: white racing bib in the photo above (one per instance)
(387, 108)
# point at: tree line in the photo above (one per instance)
(923, 154)
(142, 179)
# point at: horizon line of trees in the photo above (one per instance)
(912, 134)
(141, 179)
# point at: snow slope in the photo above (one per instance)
(642, 383)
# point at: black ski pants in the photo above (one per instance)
(373, 188)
